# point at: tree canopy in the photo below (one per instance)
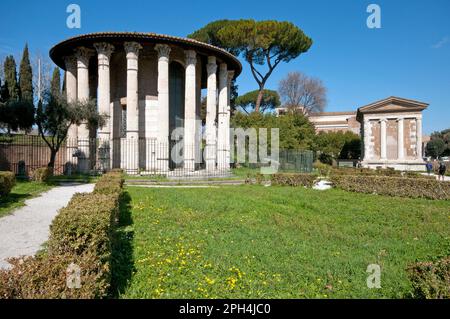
(269, 101)
(55, 84)
(55, 115)
(439, 145)
(261, 43)
(26, 77)
(337, 145)
(299, 91)
(10, 74)
(295, 130)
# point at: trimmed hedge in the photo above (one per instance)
(7, 182)
(393, 186)
(431, 280)
(41, 174)
(285, 179)
(82, 234)
(378, 172)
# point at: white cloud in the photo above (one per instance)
(441, 43)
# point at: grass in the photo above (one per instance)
(22, 191)
(76, 178)
(274, 242)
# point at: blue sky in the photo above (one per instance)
(408, 57)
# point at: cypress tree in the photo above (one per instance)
(11, 78)
(26, 76)
(4, 93)
(55, 84)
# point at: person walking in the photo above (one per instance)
(441, 170)
(429, 166)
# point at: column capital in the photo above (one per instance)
(383, 120)
(223, 67)
(191, 57)
(83, 55)
(163, 50)
(230, 76)
(211, 67)
(400, 119)
(104, 48)
(70, 62)
(132, 49)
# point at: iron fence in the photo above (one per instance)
(143, 156)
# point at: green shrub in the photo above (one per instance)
(7, 182)
(285, 179)
(431, 280)
(323, 169)
(82, 234)
(46, 277)
(377, 172)
(41, 174)
(110, 183)
(393, 186)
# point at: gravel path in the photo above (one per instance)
(24, 231)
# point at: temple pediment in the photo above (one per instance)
(393, 104)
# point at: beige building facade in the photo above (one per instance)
(149, 86)
(392, 134)
(390, 130)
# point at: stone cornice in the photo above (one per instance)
(117, 38)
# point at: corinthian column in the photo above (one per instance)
(211, 110)
(83, 55)
(400, 137)
(419, 138)
(71, 94)
(189, 110)
(71, 88)
(227, 119)
(163, 106)
(104, 51)
(132, 52)
(222, 117)
(383, 139)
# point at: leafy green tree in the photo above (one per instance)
(295, 130)
(11, 78)
(26, 77)
(261, 43)
(337, 145)
(19, 115)
(435, 147)
(269, 101)
(55, 115)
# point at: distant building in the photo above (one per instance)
(335, 121)
(390, 129)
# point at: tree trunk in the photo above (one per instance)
(259, 99)
(51, 164)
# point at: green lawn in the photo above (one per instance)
(21, 192)
(272, 242)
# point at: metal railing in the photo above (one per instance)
(144, 156)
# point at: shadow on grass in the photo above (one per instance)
(122, 262)
(12, 198)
